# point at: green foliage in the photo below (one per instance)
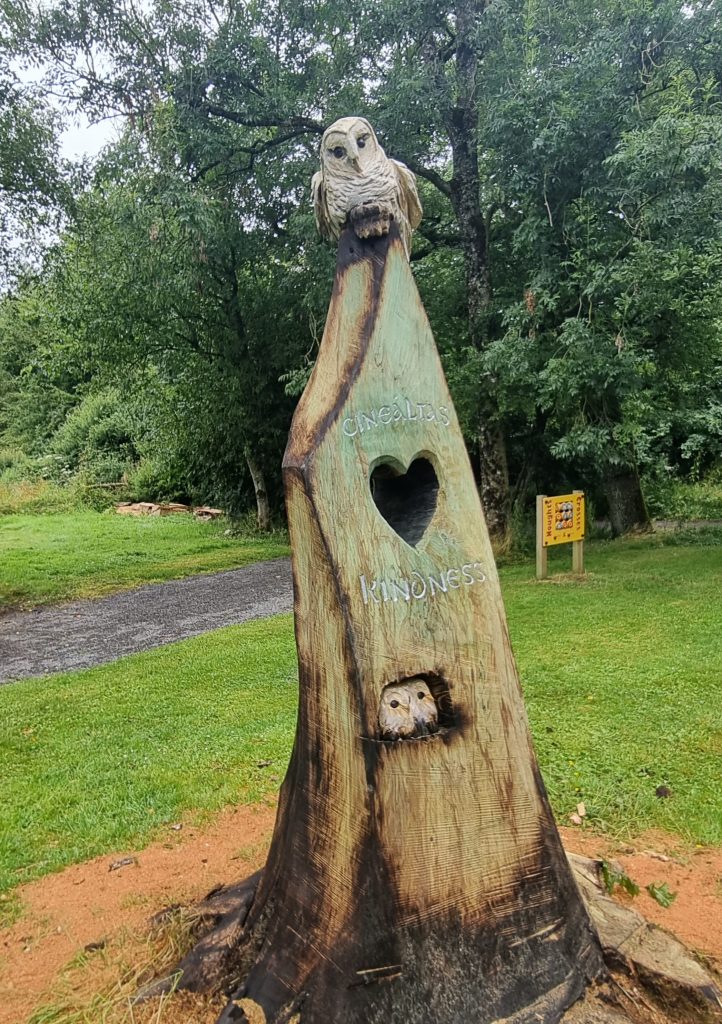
(670, 498)
(617, 339)
(15, 465)
(164, 289)
(96, 439)
(37, 388)
(190, 272)
(612, 877)
(33, 180)
(155, 479)
(660, 892)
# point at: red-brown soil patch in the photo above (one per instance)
(693, 873)
(88, 903)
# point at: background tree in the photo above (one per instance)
(162, 279)
(568, 160)
(33, 187)
(609, 151)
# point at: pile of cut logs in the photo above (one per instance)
(171, 508)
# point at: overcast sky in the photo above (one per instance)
(84, 139)
(79, 138)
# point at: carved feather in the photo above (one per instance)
(328, 228)
(409, 194)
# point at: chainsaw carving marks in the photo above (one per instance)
(422, 847)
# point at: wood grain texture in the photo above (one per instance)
(417, 880)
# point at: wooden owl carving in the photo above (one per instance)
(359, 183)
(407, 709)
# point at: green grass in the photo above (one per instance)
(46, 558)
(97, 760)
(622, 675)
(623, 682)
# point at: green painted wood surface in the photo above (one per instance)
(431, 866)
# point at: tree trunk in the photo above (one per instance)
(627, 509)
(494, 481)
(462, 123)
(417, 879)
(494, 475)
(263, 509)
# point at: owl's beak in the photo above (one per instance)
(354, 156)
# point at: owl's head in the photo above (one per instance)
(349, 146)
(407, 709)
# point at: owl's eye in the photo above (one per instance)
(420, 695)
(394, 703)
(361, 141)
(338, 152)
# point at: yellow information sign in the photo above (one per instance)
(563, 519)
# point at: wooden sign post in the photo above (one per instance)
(416, 874)
(559, 520)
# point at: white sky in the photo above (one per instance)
(85, 139)
(80, 138)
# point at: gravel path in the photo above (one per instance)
(86, 633)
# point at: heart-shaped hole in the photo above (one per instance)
(407, 501)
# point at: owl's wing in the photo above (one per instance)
(411, 204)
(324, 222)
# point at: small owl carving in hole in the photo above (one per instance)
(407, 710)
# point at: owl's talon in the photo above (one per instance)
(371, 220)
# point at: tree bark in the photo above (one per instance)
(462, 123)
(263, 509)
(494, 481)
(627, 508)
(420, 879)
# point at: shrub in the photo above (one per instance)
(670, 498)
(97, 439)
(9, 457)
(15, 465)
(154, 479)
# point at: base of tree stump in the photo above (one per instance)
(652, 978)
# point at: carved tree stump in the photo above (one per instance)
(420, 879)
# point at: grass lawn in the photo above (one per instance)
(97, 760)
(622, 675)
(47, 558)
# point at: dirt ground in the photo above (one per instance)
(83, 944)
(90, 904)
